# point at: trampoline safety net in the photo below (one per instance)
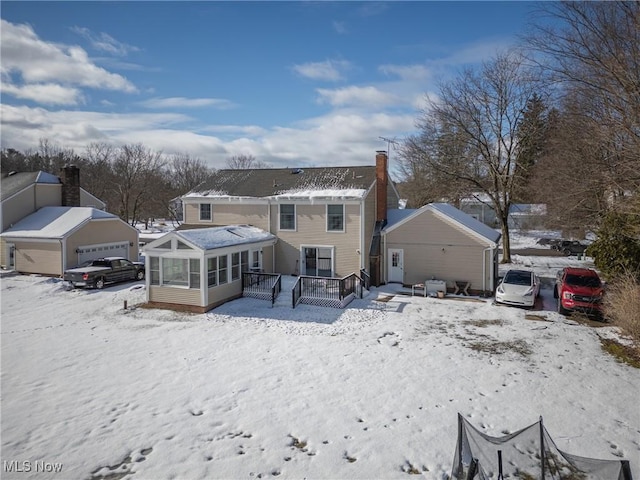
(528, 454)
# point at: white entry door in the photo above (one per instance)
(396, 265)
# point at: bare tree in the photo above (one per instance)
(593, 49)
(187, 172)
(245, 162)
(136, 175)
(469, 134)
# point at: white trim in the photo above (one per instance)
(326, 219)
(302, 257)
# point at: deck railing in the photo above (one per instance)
(365, 280)
(266, 286)
(326, 291)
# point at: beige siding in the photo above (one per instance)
(99, 232)
(88, 200)
(17, 207)
(222, 293)
(435, 248)
(241, 214)
(183, 296)
(38, 257)
(4, 259)
(267, 259)
(392, 197)
(311, 231)
(48, 195)
(230, 214)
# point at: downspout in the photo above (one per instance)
(362, 235)
(63, 247)
(484, 268)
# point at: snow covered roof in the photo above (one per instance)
(395, 217)
(55, 222)
(226, 236)
(340, 182)
(12, 184)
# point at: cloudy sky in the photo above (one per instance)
(314, 83)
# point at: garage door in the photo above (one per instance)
(91, 252)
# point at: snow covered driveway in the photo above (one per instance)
(250, 391)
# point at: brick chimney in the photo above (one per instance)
(382, 180)
(70, 176)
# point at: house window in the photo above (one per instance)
(244, 261)
(255, 260)
(287, 217)
(177, 272)
(335, 218)
(194, 273)
(235, 266)
(154, 270)
(205, 212)
(223, 269)
(212, 271)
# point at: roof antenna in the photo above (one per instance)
(390, 141)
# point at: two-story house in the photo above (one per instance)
(50, 223)
(324, 218)
(324, 222)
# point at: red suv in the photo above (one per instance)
(579, 289)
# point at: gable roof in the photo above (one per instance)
(272, 182)
(218, 237)
(55, 222)
(12, 184)
(395, 218)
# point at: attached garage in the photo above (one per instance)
(442, 243)
(53, 239)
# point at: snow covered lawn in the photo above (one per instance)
(250, 391)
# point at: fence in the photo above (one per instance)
(266, 286)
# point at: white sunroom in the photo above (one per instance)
(201, 268)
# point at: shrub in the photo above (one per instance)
(622, 304)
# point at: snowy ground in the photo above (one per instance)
(250, 391)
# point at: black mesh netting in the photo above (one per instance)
(528, 454)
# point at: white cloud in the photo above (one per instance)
(182, 102)
(44, 93)
(329, 70)
(356, 96)
(406, 72)
(40, 62)
(340, 27)
(340, 138)
(105, 42)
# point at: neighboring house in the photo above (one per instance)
(521, 215)
(202, 268)
(324, 218)
(25, 192)
(50, 223)
(53, 239)
(438, 241)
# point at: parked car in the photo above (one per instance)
(518, 287)
(570, 247)
(579, 289)
(102, 271)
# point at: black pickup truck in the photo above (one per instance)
(101, 271)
